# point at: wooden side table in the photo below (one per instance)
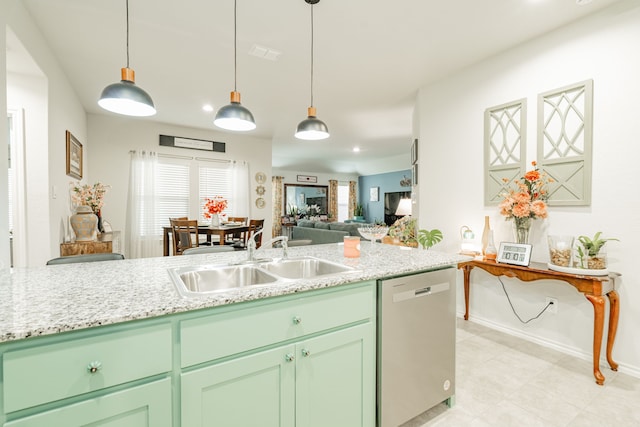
(104, 244)
(594, 288)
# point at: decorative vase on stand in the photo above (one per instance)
(215, 220)
(85, 224)
(521, 228)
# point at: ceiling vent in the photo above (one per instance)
(264, 52)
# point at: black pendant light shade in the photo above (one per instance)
(234, 116)
(125, 97)
(312, 128)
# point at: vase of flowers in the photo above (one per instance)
(91, 196)
(213, 207)
(526, 202)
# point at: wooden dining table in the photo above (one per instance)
(205, 230)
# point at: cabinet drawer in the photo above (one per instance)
(219, 335)
(145, 405)
(51, 372)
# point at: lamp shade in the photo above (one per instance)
(126, 98)
(404, 207)
(312, 128)
(234, 116)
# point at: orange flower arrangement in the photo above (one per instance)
(528, 200)
(213, 206)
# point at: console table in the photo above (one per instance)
(594, 288)
(104, 243)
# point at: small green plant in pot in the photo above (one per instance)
(589, 252)
(358, 212)
(428, 238)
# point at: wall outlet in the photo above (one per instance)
(553, 308)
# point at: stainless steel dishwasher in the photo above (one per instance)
(416, 344)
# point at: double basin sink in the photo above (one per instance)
(208, 279)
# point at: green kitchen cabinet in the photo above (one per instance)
(305, 362)
(334, 381)
(148, 405)
(323, 381)
(253, 390)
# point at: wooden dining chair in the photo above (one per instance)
(185, 234)
(239, 236)
(255, 225)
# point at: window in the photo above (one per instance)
(343, 202)
(182, 186)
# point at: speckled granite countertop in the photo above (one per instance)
(51, 299)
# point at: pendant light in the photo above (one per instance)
(234, 116)
(125, 97)
(312, 128)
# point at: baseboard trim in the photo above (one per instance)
(631, 370)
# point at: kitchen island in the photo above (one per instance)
(169, 350)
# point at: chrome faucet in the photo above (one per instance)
(251, 246)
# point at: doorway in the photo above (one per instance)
(16, 190)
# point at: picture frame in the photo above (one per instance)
(515, 253)
(74, 156)
(414, 174)
(307, 178)
(374, 194)
(414, 152)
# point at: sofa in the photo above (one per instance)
(324, 232)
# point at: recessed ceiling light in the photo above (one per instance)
(356, 149)
(208, 108)
(583, 2)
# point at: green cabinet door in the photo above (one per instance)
(147, 405)
(253, 390)
(335, 379)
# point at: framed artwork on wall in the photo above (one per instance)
(374, 194)
(74, 156)
(414, 152)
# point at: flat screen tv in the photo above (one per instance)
(391, 201)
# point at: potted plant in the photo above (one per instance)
(428, 238)
(358, 212)
(590, 253)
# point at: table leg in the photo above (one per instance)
(598, 325)
(165, 244)
(467, 275)
(614, 312)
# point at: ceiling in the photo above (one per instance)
(371, 56)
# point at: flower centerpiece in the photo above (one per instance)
(526, 202)
(213, 207)
(92, 196)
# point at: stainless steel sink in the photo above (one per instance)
(202, 280)
(304, 268)
(210, 279)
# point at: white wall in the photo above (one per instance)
(604, 48)
(112, 137)
(45, 141)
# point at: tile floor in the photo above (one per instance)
(505, 381)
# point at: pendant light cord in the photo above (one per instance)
(235, 45)
(127, 2)
(311, 55)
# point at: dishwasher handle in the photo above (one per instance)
(420, 292)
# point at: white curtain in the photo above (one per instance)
(143, 235)
(240, 189)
